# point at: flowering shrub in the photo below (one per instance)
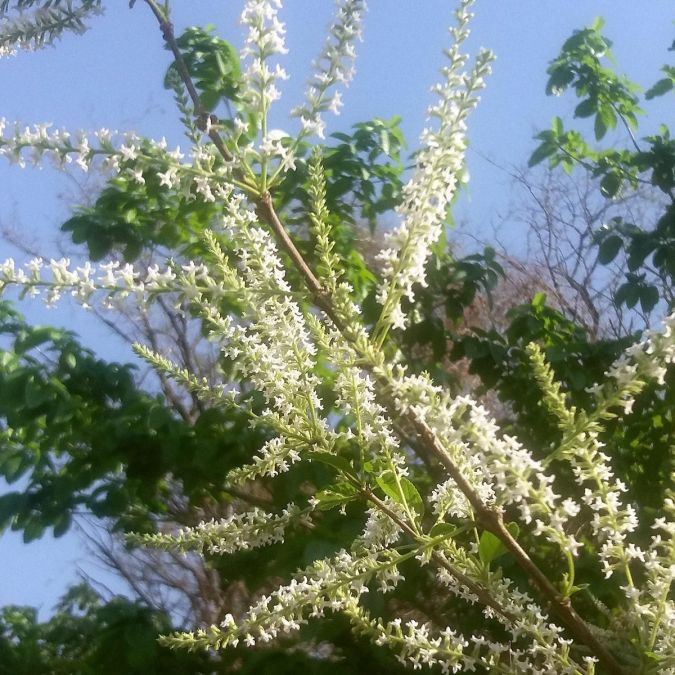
(504, 530)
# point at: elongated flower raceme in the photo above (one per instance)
(239, 532)
(25, 26)
(201, 176)
(264, 39)
(427, 196)
(328, 585)
(335, 65)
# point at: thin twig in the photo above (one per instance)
(477, 590)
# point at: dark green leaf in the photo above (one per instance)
(33, 338)
(443, 530)
(545, 150)
(586, 108)
(62, 525)
(339, 463)
(649, 298)
(609, 249)
(610, 185)
(35, 393)
(599, 128)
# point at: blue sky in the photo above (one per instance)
(112, 77)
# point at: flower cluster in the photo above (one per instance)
(328, 585)
(428, 194)
(22, 145)
(414, 642)
(239, 532)
(44, 25)
(653, 610)
(113, 281)
(265, 38)
(334, 66)
(205, 177)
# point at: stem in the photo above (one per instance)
(268, 214)
(627, 126)
(478, 590)
(205, 121)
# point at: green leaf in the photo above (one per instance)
(609, 248)
(10, 504)
(443, 530)
(62, 525)
(660, 88)
(14, 466)
(632, 295)
(491, 547)
(33, 530)
(34, 338)
(599, 128)
(586, 108)
(384, 141)
(70, 360)
(610, 185)
(339, 463)
(545, 150)
(649, 298)
(35, 393)
(408, 492)
(340, 494)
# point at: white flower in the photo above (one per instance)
(427, 195)
(129, 152)
(137, 175)
(169, 178)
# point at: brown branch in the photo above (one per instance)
(267, 212)
(492, 520)
(205, 120)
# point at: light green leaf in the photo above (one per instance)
(408, 493)
(490, 547)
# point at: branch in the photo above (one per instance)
(205, 121)
(490, 519)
